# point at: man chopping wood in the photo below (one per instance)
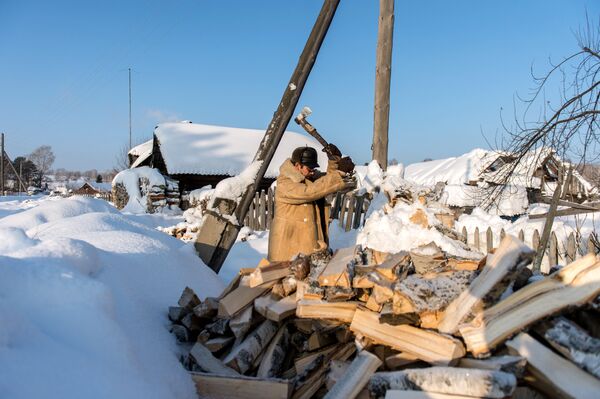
(301, 217)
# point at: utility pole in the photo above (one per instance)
(129, 108)
(2, 165)
(21, 176)
(217, 234)
(383, 73)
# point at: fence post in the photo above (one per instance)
(262, 210)
(358, 210)
(350, 212)
(465, 236)
(591, 246)
(553, 253)
(571, 248)
(521, 235)
(476, 239)
(535, 240)
(489, 238)
(342, 209)
(502, 234)
(270, 207)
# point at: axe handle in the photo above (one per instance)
(310, 129)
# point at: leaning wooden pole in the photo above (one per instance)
(383, 74)
(218, 233)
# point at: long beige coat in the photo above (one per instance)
(301, 217)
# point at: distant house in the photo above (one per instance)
(198, 155)
(469, 177)
(88, 189)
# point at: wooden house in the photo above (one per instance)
(199, 155)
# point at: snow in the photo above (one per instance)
(130, 178)
(455, 170)
(218, 150)
(84, 296)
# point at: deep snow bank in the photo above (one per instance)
(84, 292)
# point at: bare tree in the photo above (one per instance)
(43, 158)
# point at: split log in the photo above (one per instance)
(554, 375)
(433, 294)
(318, 340)
(242, 357)
(337, 369)
(180, 332)
(428, 258)
(241, 323)
(447, 380)
(281, 309)
(192, 323)
(219, 386)
(509, 364)
(176, 313)
(261, 304)
(572, 342)
(399, 360)
(207, 362)
(239, 298)
(337, 272)
(304, 361)
(509, 255)
(271, 272)
(343, 311)
(207, 308)
(218, 327)
(356, 377)
(391, 315)
(272, 362)
(188, 299)
(575, 284)
(216, 344)
(394, 394)
(392, 264)
(426, 345)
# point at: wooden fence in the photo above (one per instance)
(349, 209)
(556, 252)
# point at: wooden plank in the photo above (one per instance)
(241, 297)
(207, 362)
(574, 284)
(218, 386)
(447, 380)
(358, 210)
(565, 212)
(314, 309)
(552, 252)
(356, 376)
(476, 239)
(507, 257)
(262, 211)
(535, 240)
(426, 345)
(465, 235)
(555, 376)
(336, 273)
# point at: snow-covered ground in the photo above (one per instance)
(84, 293)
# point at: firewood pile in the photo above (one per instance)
(418, 324)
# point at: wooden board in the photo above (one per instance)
(555, 376)
(509, 254)
(309, 309)
(218, 386)
(240, 297)
(271, 272)
(423, 344)
(336, 273)
(576, 283)
(281, 309)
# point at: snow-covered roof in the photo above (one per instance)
(456, 170)
(142, 151)
(217, 150)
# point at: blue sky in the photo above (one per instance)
(63, 70)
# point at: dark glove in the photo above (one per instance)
(346, 165)
(333, 153)
(349, 183)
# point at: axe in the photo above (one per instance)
(345, 164)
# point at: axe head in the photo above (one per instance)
(304, 113)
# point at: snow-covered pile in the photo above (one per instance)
(138, 183)
(84, 291)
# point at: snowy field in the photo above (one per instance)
(84, 293)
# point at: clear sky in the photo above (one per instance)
(64, 80)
